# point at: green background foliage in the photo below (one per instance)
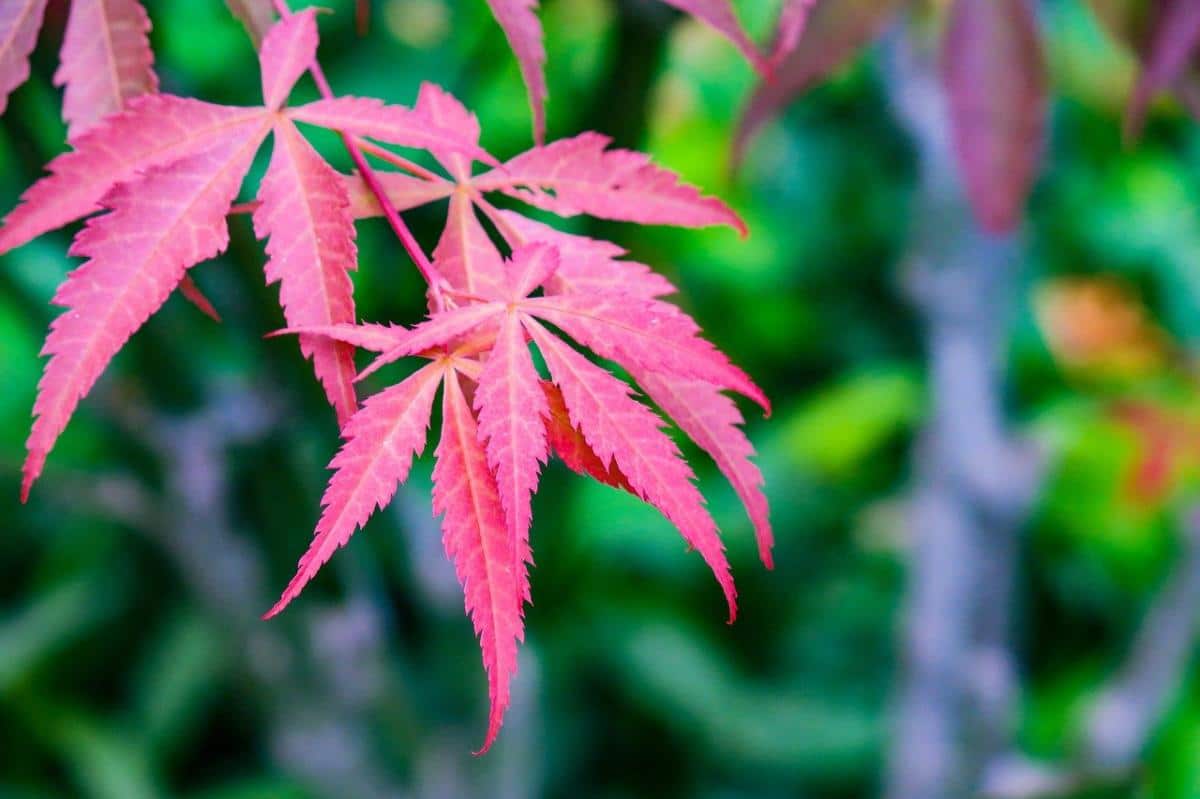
(121, 679)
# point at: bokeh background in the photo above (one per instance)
(132, 661)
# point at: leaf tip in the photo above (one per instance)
(495, 722)
(751, 391)
(30, 471)
(277, 608)
(9, 240)
(192, 293)
(730, 591)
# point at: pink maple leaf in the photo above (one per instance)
(511, 406)
(593, 295)
(719, 15)
(492, 456)
(567, 177)
(579, 175)
(477, 541)
(105, 60)
(569, 444)
(646, 334)
(465, 254)
(586, 265)
(621, 430)
(306, 218)
(713, 421)
(166, 222)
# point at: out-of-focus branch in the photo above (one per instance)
(320, 681)
(1123, 717)
(974, 482)
(317, 731)
(1121, 720)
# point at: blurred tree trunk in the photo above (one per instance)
(974, 482)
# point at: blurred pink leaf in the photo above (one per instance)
(995, 78)
(793, 19)
(835, 31)
(720, 16)
(1172, 42)
(256, 15)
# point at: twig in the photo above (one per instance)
(1121, 720)
(1124, 715)
(316, 732)
(384, 154)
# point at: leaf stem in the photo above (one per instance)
(384, 154)
(407, 240)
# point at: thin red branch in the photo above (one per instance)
(384, 154)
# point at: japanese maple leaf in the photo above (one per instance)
(491, 452)
(105, 59)
(581, 175)
(1165, 37)
(812, 39)
(793, 19)
(995, 78)
(166, 171)
(519, 21)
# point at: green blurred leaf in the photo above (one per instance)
(106, 762)
(847, 422)
(751, 726)
(48, 623)
(1088, 502)
(177, 680)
